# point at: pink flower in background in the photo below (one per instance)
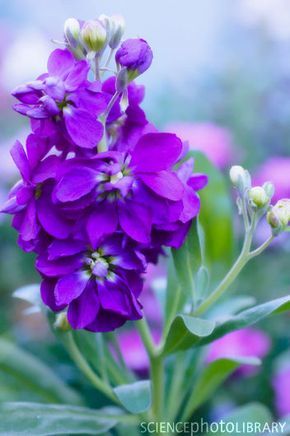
(246, 342)
(281, 385)
(276, 170)
(214, 141)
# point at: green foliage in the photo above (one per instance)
(43, 420)
(34, 375)
(135, 397)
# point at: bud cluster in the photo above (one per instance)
(257, 200)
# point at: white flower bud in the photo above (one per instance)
(240, 177)
(258, 196)
(269, 189)
(61, 322)
(117, 30)
(72, 31)
(94, 36)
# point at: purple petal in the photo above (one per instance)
(165, 184)
(60, 62)
(135, 220)
(102, 221)
(59, 249)
(54, 87)
(191, 205)
(75, 184)
(47, 294)
(106, 321)
(24, 195)
(28, 93)
(18, 155)
(37, 148)
(83, 310)
(198, 181)
(77, 76)
(156, 152)
(46, 169)
(58, 267)
(51, 219)
(29, 227)
(70, 287)
(83, 128)
(114, 297)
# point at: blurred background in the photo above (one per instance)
(221, 80)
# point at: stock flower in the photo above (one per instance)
(275, 169)
(30, 199)
(64, 96)
(247, 342)
(214, 141)
(100, 284)
(135, 55)
(96, 219)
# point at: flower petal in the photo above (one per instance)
(135, 220)
(83, 310)
(47, 294)
(58, 267)
(156, 152)
(70, 287)
(19, 156)
(51, 219)
(58, 249)
(60, 62)
(102, 221)
(165, 183)
(83, 128)
(75, 184)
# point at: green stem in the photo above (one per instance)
(84, 367)
(242, 260)
(146, 336)
(262, 247)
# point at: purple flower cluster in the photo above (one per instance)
(101, 190)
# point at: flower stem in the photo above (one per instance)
(84, 367)
(230, 277)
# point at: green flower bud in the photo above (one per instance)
(279, 216)
(269, 189)
(259, 197)
(240, 178)
(61, 322)
(94, 36)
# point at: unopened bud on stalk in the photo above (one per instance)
(117, 30)
(61, 322)
(72, 29)
(240, 177)
(258, 197)
(279, 216)
(122, 80)
(94, 36)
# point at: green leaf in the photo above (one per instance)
(249, 317)
(41, 420)
(212, 377)
(35, 375)
(135, 397)
(186, 331)
(187, 260)
(254, 413)
(216, 213)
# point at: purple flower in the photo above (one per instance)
(247, 342)
(135, 55)
(276, 170)
(30, 199)
(99, 284)
(214, 141)
(135, 191)
(65, 96)
(281, 385)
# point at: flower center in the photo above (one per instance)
(99, 265)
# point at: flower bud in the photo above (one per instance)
(61, 322)
(240, 177)
(135, 55)
(72, 31)
(117, 29)
(94, 36)
(122, 80)
(258, 196)
(269, 189)
(279, 216)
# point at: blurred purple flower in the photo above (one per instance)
(214, 141)
(275, 170)
(281, 385)
(246, 342)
